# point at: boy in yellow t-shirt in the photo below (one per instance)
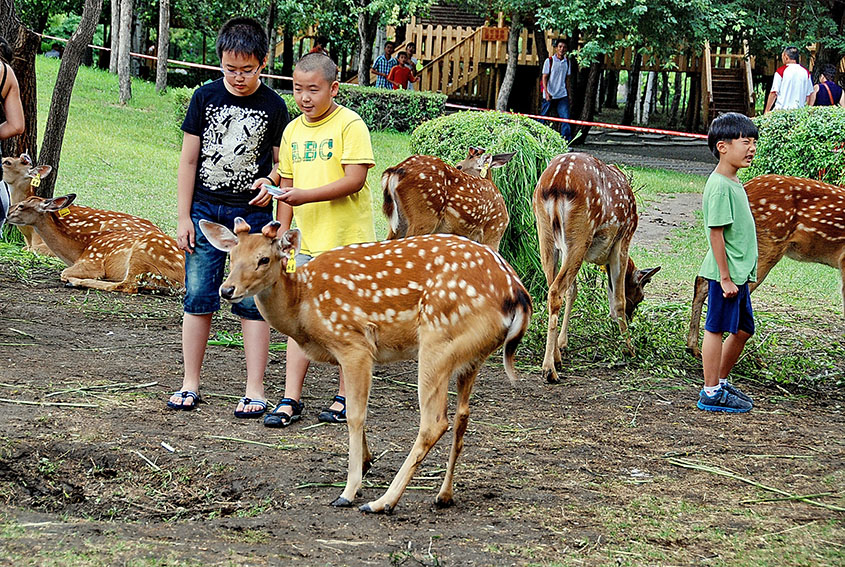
(323, 161)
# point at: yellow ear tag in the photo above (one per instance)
(36, 180)
(291, 266)
(484, 169)
(64, 212)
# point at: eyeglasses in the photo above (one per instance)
(230, 73)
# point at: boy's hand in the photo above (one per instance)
(293, 197)
(264, 197)
(729, 288)
(185, 236)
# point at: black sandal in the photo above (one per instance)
(329, 415)
(280, 419)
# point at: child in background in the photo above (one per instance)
(323, 161)
(731, 262)
(233, 128)
(401, 75)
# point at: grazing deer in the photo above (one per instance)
(800, 218)
(586, 212)
(23, 177)
(425, 195)
(126, 259)
(440, 298)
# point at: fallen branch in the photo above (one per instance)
(786, 498)
(149, 462)
(261, 443)
(60, 404)
(365, 484)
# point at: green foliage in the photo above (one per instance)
(806, 142)
(535, 145)
(385, 109)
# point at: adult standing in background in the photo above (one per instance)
(383, 64)
(827, 93)
(792, 85)
(12, 115)
(555, 83)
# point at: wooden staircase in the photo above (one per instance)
(727, 83)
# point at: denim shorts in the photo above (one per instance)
(728, 315)
(204, 268)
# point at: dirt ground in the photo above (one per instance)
(593, 471)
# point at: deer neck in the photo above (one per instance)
(55, 234)
(281, 302)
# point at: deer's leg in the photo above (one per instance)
(464, 384)
(571, 263)
(563, 338)
(616, 292)
(357, 373)
(437, 363)
(699, 296)
(842, 273)
(84, 269)
(768, 255)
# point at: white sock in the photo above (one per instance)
(723, 381)
(711, 390)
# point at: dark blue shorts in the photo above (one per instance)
(204, 268)
(728, 315)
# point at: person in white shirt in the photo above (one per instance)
(792, 85)
(555, 85)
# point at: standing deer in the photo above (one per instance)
(425, 195)
(124, 259)
(440, 298)
(800, 218)
(586, 212)
(22, 177)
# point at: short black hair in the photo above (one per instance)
(792, 53)
(318, 62)
(244, 36)
(390, 43)
(6, 51)
(401, 53)
(411, 44)
(730, 126)
(560, 40)
(829, 71)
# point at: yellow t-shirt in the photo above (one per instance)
(313, 154)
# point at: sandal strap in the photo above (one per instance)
(340, 400)
(295, 405)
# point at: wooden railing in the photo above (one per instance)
(707, 79)
(749, 80)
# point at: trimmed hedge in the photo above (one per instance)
(805, 142)
(381, 109)
(535, 145)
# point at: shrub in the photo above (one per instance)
(384, 109)
(535, 145)
(806, 142)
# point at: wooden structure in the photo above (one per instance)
(727, 84)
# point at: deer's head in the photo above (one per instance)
(17, 170)
(31, 210)
(479, 163)
(255, 258)
(635, 281)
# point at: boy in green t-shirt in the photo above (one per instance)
(731, 262)
(322, 183)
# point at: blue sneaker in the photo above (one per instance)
(737, 392)
(723, 400)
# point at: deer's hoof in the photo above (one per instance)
(551, 376)
(341, 502)
(444, 502)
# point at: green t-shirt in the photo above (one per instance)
(725, 204)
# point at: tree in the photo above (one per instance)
(510, 69)
(114, 31)
(124, 42)
(25, 44)
(163, 45)
(57, 117)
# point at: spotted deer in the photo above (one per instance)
(23, 177)
(126, 259)
(586, 212)
(425, 195)
(443, 299)
(802, 219)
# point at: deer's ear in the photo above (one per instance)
(57, 203)
(241, 226)
(290, 240)
(501, 159)
(644, 276)
(44, 170)
(218, 235)
(271, 229)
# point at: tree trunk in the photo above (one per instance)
(612, 80)
(60, 104)
(590, 91)
(163, 47)
(25, 45)
(633, 88)
(676, 100)
(367, 28)
(287, 53)
(271, 37)
(137, 45)
(510, 70)
(692, 102)
(540, 44)
(115, 35)
(125, 81)
(648, 99)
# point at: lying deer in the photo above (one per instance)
(586, 212)
(127, 259)
(23, 177)
(441, 298)
(425, 195)
(800, 218)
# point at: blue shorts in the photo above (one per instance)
(728, 315)
(204, 268)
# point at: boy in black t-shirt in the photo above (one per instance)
(232, 132)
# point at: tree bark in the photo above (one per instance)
(633, 88)
(367, 28)
(60, 104)
(123, 71)
(676, 100)
(588, 111)
(115, 35)
(648, 100)
(287, 53)
(163, 47)
(271, 37)
(25, 45)
(612, 80)
(692, 102)
(510, 70)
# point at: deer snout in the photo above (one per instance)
(227, 292)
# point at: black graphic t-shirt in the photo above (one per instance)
(237, 135)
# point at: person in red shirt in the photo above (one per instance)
(401, 75)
